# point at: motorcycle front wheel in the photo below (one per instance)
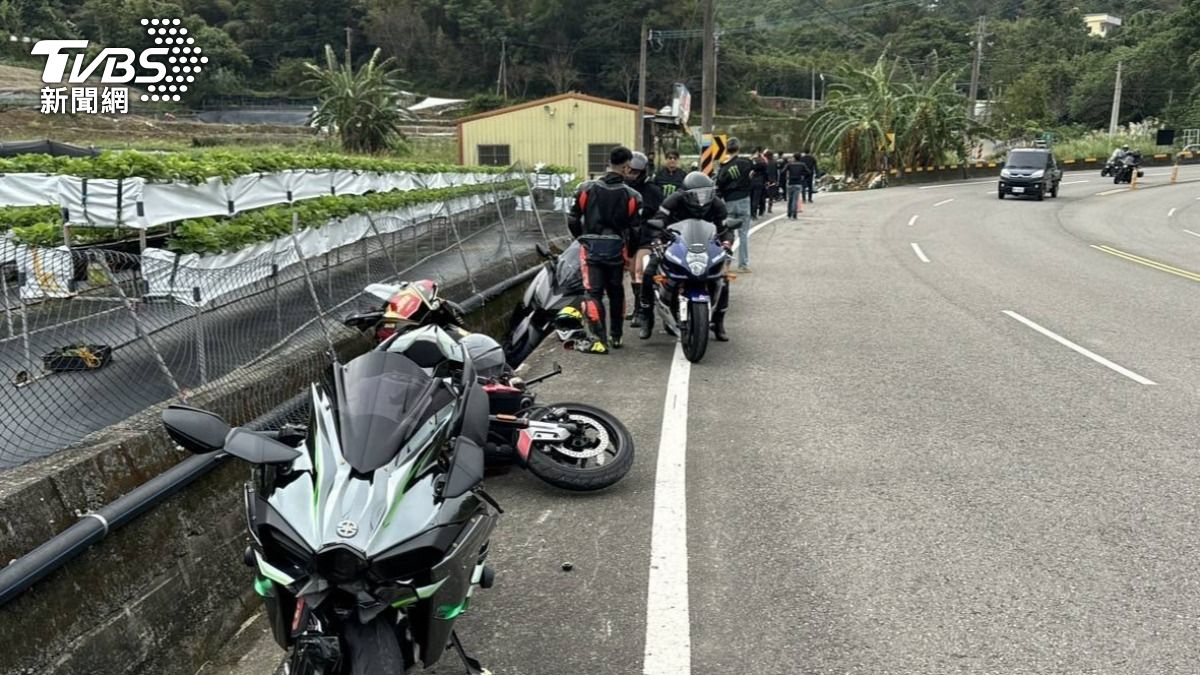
(598, 455)
(695, 332)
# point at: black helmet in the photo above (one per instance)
(699, 190)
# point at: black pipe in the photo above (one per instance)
(485, 296)
(34, 566)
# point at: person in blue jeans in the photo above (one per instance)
(795, 177)
(734, 187)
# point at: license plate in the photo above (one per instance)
(1018, 190)
(683, 312)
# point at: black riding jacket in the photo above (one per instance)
(733, 180)
(605, 206)
(676, 208)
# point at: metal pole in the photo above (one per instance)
(201, 349)
(639, 138)
(812, 88)
(462, 254)
(312, 290)
(328, 278)
(366, 262)
(387, 254)
(137, 321)
(25, 333)
(275, 294)
(504, 228)
(708, 93)
(1113, 122)
(7, 309)
(536, 214)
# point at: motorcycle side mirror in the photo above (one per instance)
(467, 471)
(363, 320)
(258, 449)
(542, 250)
(198, 431)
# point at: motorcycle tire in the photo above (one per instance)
(565, 472)
(695, 335)
(372, 649)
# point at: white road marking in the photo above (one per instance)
(1111, 192)
(668, 623)
(944, 201)
(920, 254)
(1171, 213)
(1192, 233)
(974, 182)
(1075, 182)
(913, 221)
(1071, 345)
(542, 518)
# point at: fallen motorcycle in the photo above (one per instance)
(573, 446)
(369, 528)
(552, 302)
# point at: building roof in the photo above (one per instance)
(552, 99)
(1103, 18)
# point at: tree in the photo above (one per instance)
(360, 104)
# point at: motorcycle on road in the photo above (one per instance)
(553, 302)
(691, 276)
(1131, 163)
(369, 527)
(572, 446)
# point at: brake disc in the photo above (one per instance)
(601, 441)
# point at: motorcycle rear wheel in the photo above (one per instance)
(581, 472)
(695, 332)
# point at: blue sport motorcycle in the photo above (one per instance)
(690, 279)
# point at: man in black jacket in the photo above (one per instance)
(758, 184)
(604, 216)
(796, 175)
(733, 186)
(772, 180)
(811, 163)
(670, 177)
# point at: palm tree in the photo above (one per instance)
(924, 115)
(361, 105)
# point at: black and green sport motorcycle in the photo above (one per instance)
(369, 527)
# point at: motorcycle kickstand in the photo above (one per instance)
(469, 662)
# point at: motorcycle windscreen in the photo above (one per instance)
(569, 271)
(694, 231)
(383, 398)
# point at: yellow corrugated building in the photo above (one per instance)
(568, 130)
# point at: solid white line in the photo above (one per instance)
(1075, 182)
(919, 252)
(1192, 233)
(1091, 355)
(944, 201)
(1171, 213)
(1111, 192)
(668, 624)
(737, 241)
(913, 221)
(973, 182)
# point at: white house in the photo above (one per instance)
(1101, 24)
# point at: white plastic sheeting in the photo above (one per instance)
(139, 204)
(214, 276)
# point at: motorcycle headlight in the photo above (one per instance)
(697, 263)
(1039, 173)
(341, 564)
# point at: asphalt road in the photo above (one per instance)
(983, 463)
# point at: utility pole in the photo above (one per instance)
(639, 140)
(502, 74)
(1116, 108)
(349, 32)
(708, 84)
(974, 93)
(812, 87)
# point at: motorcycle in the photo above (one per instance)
(690, 278)
(369, 527)
(551, 303)
(572, 446)
(1124, 172)
(1109, 168)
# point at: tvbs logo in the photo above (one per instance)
(164, 71)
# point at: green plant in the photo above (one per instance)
(361, 105)
(214, 235)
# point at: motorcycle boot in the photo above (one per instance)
(718, 327)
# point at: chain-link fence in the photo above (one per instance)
(132, 331)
